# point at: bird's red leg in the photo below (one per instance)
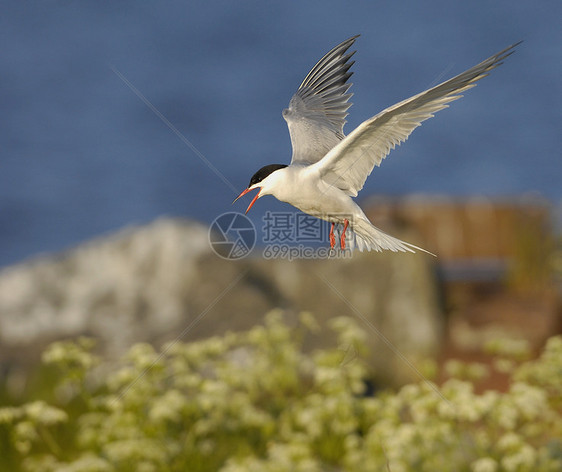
(342, 239)
(332, 237)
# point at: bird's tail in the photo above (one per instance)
(370, 238)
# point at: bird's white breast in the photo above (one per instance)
(304, 190)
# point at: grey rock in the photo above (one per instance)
(162, 282)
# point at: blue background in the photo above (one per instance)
(82, 155)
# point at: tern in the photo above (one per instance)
(327, 167)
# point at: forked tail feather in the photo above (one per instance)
(370, 238)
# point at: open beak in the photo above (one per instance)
(253, 201)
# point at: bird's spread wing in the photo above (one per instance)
(350, 162)
(317, 111)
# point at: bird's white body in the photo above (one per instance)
(303, 188)
(328, 168)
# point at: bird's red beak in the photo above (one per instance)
(253, 201)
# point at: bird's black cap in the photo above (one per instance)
(264, 172)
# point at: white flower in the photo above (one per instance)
(45, 414)
(484, 464)
(523, 459)
(530, 400)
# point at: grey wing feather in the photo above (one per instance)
(317, 111)
(348, 164)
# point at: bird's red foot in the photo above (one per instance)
(332, 237)
(342, 239)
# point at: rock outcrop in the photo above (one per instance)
(163, 282)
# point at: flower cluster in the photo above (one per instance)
(260, 401)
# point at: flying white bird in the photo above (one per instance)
(328, 167)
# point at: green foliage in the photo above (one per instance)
(256, 401)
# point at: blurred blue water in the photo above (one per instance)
(81, 155)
